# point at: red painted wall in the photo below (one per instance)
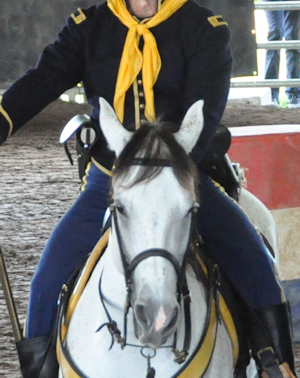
(271, 155)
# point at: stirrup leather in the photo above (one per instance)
(269, 362)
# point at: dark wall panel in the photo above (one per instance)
(240, 17)
(27, 26)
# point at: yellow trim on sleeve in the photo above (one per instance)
(8, 119)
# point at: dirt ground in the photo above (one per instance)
(38, 185)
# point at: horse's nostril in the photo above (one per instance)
(140, 313)
(163, 320)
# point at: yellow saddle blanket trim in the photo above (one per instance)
(8, 119)
(227, 319)
(195, 368)
(133, 60)
(67, 370)
(85, 275)
(199, 363)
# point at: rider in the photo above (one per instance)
(148, 58)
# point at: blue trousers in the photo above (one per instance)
(283, 24)
(227, 232)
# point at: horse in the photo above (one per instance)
(143, 311)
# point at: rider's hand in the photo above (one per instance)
(285, 370)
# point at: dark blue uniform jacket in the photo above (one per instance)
(196, 64)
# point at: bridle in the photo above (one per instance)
(183, 294)
(129, 267)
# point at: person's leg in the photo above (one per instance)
(275, 24)
(291, 33)
(238, 249)
(236, 245)
(73, 238)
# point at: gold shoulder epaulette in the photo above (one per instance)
(216, 21)
(79, 16)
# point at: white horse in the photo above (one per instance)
(151, 223)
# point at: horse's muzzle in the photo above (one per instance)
(155, 323)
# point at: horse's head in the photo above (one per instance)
(153, 193)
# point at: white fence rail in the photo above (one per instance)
(278, 5)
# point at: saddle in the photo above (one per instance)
(217, 164)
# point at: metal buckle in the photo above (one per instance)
(259, 353)
(180, 356)
(264, 354)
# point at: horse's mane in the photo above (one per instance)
(155, 142)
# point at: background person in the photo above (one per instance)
(283, 24)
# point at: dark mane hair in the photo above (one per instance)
(155, 142)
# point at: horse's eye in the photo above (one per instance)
(120, 209)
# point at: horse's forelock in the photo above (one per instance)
(156, 141)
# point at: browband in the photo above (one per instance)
(150, 162)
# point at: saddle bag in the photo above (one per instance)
(87, 134)
(217, 164)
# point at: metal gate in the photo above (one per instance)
(274, 45)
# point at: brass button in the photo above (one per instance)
(140, 82)
(142, 106)
(141, 94)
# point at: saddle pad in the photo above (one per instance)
(201, 356)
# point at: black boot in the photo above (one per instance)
(270, 336)
(37, 357)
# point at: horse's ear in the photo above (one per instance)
(115, 133)
(191, 127)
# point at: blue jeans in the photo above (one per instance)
(283, 24)
(227, 232)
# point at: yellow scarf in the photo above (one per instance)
(133, 60)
